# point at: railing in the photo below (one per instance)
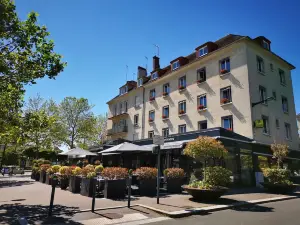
(116, 130)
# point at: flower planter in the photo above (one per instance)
(151, 99)
(42, 176)
(181, 112)
(278, 188)
(224, 71)
(74, 184)
(150, 120)
(201, 107)
(200, 81)
(147, 187)
(181, 88)
(87, 186)
(64, 182)
(48, 179)
(205, 195)
(174, 185)
(224, 101)
(165, 94)
(114, 189)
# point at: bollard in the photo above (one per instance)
(94, 194)
(54, 181)
(129, 190)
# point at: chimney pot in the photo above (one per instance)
(156, 63)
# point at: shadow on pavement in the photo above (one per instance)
(253, 208)
(10, 213)
(13, 183)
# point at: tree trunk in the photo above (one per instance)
(3, 155)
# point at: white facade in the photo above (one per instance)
(244, 82)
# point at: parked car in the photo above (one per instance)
(11, 170)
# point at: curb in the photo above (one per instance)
(204, 210)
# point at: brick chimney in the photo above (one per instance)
(142, 72)
(155, 63)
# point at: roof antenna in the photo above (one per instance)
(133, 76)
(157, 47)
(146, 62)
(126, 72)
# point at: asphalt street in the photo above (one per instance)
(276, 213)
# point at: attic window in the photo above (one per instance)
(123, 90)
(266, 45)
(175, 65)
(154, 76)
(203, 51)
(140, 82)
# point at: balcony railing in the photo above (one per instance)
(118, 116)
(117, 130)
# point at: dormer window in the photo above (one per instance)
(266, 45)
(123, 90)
(175, 65)
(154, 76)
(140, 82)
(203, 51)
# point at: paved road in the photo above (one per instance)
(277, 213)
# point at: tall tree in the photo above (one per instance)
(77, 118)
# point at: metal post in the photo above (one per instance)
(158, 174)
(129, 190)
(54, 180)
(94, 194)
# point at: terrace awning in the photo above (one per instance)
(126, 147)
(78, 152)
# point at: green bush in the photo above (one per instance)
(201, 185)
(217, 176)
(277, 176)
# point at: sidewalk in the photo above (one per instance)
(24, 197)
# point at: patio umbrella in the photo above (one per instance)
(77, 152)
(126, 147)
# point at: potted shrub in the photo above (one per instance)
(64, 172)
(115, 182)
(224, 100)
(215, 179)
(278, 180)
(174, 178)
(88, 173)
(43, 169)
(54, 169)
(147, 180)
(181, 112)
(75, 180)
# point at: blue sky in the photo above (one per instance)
(99, 38)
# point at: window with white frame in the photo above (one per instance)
(175, 65)
(182, 83)
(166, 89)
(227, 122)
(226, 95)
(260, 64)
(181, 128)
(225, 66)
(201, 75)
(266, 45)
(136, 120)
(202, 103)
(203, 51)
(154, 76)
(140, 82)
(288, 134)
(165, 132)
(123, 90)
(126, 106)
(277, 123)
(137, 101)
(151, 115)
(263, 94)
(266, 128)
(121, 108)
(165, 113)
(202, 125)
(182, 107)
(152, 95)
(285, 106)
(282, 77)
(150, 134)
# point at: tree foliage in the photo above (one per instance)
(280, 151)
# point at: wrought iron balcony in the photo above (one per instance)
(117, 130)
